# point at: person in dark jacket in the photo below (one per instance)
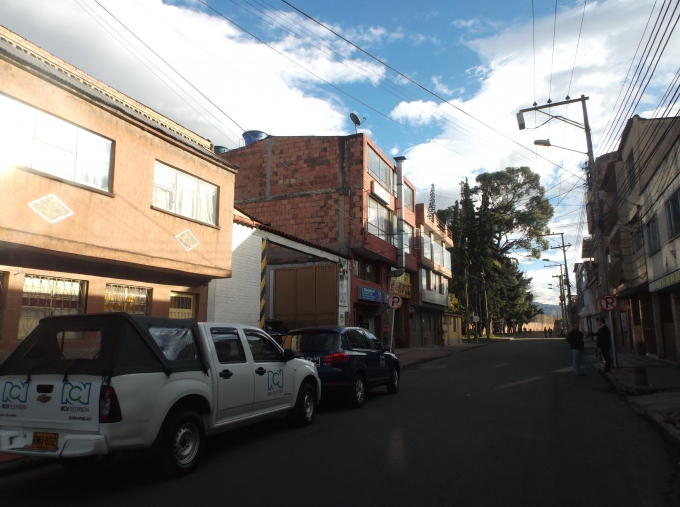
(603, 342)
(575, 340)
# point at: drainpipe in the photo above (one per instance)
(400, 212)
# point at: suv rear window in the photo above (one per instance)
(67, 344)
(312, 342)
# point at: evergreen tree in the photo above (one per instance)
(431, 207)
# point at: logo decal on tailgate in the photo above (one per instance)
(77, 393)
(15, 392)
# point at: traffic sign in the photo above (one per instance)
(609, 302)
(475, 319)
(394, 301)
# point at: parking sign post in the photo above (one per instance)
(394, 301)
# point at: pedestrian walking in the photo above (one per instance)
(550, 332)
(545, 332)
(575, 341)
(603, 342)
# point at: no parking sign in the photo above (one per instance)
(609, 302)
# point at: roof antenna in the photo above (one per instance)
(356, 121)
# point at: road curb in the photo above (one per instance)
(433, 358)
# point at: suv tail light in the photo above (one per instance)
(338, 357)
(109, 408)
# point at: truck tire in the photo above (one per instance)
(305, 406)
(181, 443)
(357, 391)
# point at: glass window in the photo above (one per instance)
(638, 240)
(408, 197)
(373, 342)
(380, 170)
(357, 339)
(673, 215)
(437, 253)
(127, 298)
(228, 345)
(408, 238)
(653, 241)
(184, 194)
(447, 259)
(380, 221)
(427, 246)
(41, 141)
(425, 279)
(176, 343)
(365, 270)
(262, 348)
(44, 296)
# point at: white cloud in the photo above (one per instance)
(442, 88)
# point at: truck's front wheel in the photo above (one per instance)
(182, 443)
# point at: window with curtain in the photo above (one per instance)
(40, 141)
(408, 197)
(183, 194)
(380, 221)
(381, 170)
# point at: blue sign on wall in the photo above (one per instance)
(369, 294)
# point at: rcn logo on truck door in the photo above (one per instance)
(274, 380)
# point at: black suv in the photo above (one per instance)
(349, 360)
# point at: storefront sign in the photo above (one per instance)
(401, 285)
(665, 281)
(369, 294)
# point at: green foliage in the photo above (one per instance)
(431, 207)
(505, 213)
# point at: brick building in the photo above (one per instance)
(342, 192)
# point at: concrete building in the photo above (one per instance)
(268, 266)
(640, 183)
(341, 192)
(106, 204)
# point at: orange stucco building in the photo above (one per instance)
(105, 204)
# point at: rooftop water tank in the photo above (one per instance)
(253, 136)
(221, 149)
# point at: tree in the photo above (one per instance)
(431, 207)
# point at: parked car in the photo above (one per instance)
(87, 385)
(349, 360)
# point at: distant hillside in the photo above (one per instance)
(550, 309)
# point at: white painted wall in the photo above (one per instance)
(237, 299)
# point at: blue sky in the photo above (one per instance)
(479, 56)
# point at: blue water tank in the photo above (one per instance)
(221, 149)
(253, 136)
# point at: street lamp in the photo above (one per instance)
(546, 142)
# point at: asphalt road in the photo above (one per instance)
(503, 425)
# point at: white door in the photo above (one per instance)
(274, 378)
(234, 375)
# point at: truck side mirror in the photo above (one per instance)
(288, 354)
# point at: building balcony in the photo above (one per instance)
(428, 296)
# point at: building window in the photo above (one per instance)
(408, 239)
(638, 239)
(425, 279)
(427, 246)
(380, 221)
(673, 215)
(44, 296)
(408, 197)
(50, 145)
(438, 253)
(653, 241)
(127, 298)
(182, 305)
(183, 194)
(447, 259)
(365, 271)
(381, 170)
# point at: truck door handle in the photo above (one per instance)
(260, 371)
(226, 374)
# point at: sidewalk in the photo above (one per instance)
(657, 399)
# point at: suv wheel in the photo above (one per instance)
(393, 384)
(305, 406)
(357, 391)
(182, 441)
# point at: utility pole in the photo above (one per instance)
(467, 309)
(486, 309)
(594, 198)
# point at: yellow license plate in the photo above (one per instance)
(48, 441)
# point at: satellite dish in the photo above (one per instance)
(356, 121)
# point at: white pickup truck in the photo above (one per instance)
(87, 385)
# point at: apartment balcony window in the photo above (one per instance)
(447, 260)
(652, 233)
(180, 193)
(408, 197)
(127, 298)
(365, 271)
(380, 170)
(673, 215)
(44, 296)
(42, 142)
(427, 246)
(381, 222)
(438, 253)
(408, 239)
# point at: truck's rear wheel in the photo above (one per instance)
(181, 443)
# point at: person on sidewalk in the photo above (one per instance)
(575, 340)
(603, 342)
(545, 332)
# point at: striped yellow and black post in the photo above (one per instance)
(263, 280)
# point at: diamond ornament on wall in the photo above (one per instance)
(51, 208)
(187, 240)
